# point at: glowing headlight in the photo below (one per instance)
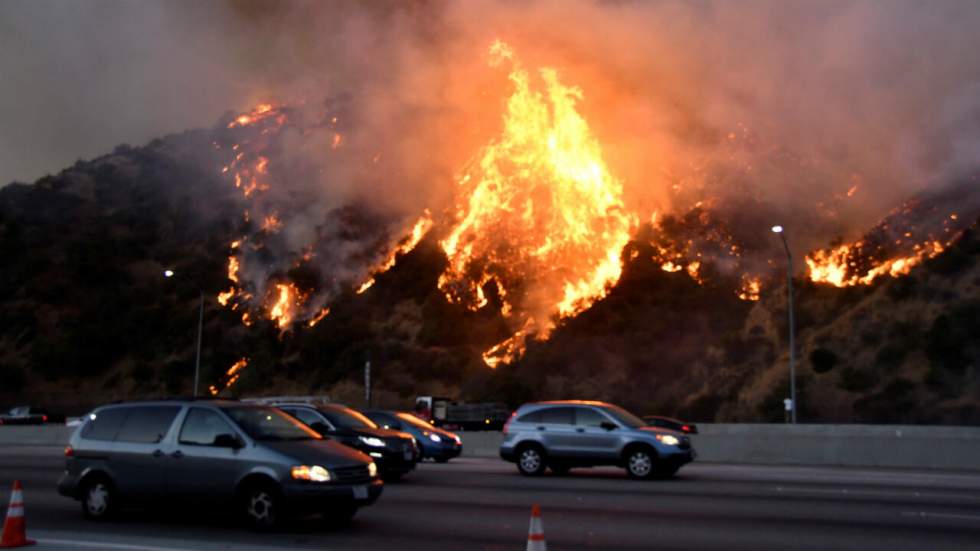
(372, 441)
(372, 469)
(456, 438)
(315, 473)
(435, 438)
(668, 439)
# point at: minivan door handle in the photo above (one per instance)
(540, 428)
(157, 453)
(177, 454)
(580, 429)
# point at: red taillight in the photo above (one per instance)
(686, 428)
(69, 452)
(509, 419)
(44, 418)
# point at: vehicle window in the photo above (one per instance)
(104, 424)
(201, 426)
(383, 419)
(147, 424)
(346, 418)
(266, 423)
(558, 416)
(304, 415)
(624, 417)
(414, 421)
(533, 417)
(588, 417)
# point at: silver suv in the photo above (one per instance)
(573, 433)
(213, 452)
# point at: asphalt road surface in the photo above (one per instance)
(483, 503)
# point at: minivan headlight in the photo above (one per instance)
(313, 473)
(668, 439)
(372, 441)
(372, 469)
(435, 437)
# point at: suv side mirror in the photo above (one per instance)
(607, 425)
(227, 441)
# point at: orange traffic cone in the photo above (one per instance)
(14, 528)
(535, 533)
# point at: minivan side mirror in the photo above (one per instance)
(607, 425)
(228, 441)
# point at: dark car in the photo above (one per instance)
(216, 453)
(671, 423)
(395, 452)
(565, 434)
(25, 415)
(439, 444)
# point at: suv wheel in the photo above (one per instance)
(98, 499)
(640, 463)
(530, 460)
(262, 506)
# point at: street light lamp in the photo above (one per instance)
(200, 330)
(792, 328)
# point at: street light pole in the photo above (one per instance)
(200, 331)
(792, 324)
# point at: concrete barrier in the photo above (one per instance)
(919, 447)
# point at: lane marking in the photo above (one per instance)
(106, 545)
(926, 514)
(846, 491)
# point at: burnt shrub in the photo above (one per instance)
(822, 360)
(854, 380)
(890, 356)
(952, 341)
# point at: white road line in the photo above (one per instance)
(846, 491)
(106, 545)
(926, 514)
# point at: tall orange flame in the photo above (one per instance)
(538, 213)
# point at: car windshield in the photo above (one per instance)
(413, 420)
(262, 423)
(625, 417)
(346, 418)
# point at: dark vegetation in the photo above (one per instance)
(86, 316)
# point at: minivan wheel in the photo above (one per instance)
(98, 499)
(262, 507)
(640, 463)
(530, 460)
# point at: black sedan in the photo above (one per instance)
(394, 451)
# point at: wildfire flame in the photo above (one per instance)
(233, 374)
(537, 213)
(837, 266)
(286, 299)
(408, 244)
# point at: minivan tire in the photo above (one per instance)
(98, 498)
(531, 460)
(262, 506)
(640, 463)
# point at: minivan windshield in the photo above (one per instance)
(263, 423)
(625, 417)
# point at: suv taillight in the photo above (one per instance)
(69, 451)
(509, 419)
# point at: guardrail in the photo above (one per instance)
(898, 446)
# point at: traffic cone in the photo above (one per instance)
(14, 528)
(535, 533)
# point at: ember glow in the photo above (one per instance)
(538, 213)
(286, 300)
(232, 374)
(839, 267)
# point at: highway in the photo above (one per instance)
(482, 503)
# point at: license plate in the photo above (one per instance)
(360, 492)
(408, 455)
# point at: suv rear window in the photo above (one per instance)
(104, 424)
(147, 424)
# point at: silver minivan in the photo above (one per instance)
(254, 458)
(561, 435)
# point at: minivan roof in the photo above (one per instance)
(570, 403)
(171, 401)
